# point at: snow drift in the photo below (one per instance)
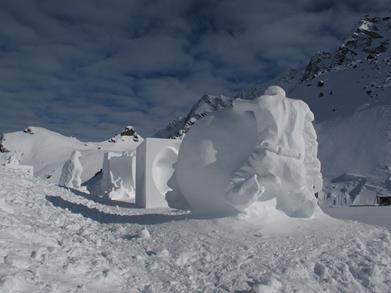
(257, 150)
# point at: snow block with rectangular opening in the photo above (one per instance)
(155, 159)
(118, 176)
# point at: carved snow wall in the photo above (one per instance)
(155, 162)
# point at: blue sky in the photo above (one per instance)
(88, 68)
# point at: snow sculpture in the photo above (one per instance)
(155, 165)
(118, 176)
(71, 171)
(257, 150)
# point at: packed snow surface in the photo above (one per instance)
(257, 150)
(53, 240)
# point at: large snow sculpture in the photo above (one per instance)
(155, 165)
(257, 150)
(71, 171)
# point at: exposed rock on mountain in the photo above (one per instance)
(207, 104)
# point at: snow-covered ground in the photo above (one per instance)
(55, 240)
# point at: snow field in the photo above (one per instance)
(53, 240)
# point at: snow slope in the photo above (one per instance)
(52, 240)
(47, 151)
(359, 143)
(355, 152)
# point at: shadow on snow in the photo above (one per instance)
(102, 200)
(105, 218)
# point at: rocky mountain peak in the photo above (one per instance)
(367, 41)
(129, 131)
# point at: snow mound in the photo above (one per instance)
(257, 150)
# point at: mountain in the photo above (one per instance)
(47, 151)
(349, 91)
(334, 84)
(207, 104)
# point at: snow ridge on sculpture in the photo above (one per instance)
(255, 151)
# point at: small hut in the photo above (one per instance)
(383, 200)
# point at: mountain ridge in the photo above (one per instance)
(362, 55)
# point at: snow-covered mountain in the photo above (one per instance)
(47, 150)
(357, 74)
(207, 104)
(349, 90)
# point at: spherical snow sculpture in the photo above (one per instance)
(212, 150)
(257, 150)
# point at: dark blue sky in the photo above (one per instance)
(88, 68)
